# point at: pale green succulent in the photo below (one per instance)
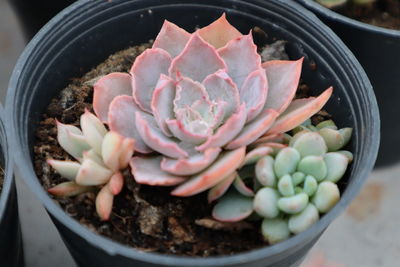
(338, 3)
(294, 180)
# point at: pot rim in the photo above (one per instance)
(113, 248)
(8, 182)
(319, 9)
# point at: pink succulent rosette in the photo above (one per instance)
(195, 102)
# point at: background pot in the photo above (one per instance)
(68, 46)
(11, 252)
(378, 50)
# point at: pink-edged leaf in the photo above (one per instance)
(91, 154)
(192, 164)
(220, 87)
(220, 189)
(219, 33)
(241, 57)
(233, 207)
(254, 93)
(276, 147)
(254, 155)
(253, 130)
(188, 92)
(116, 183)
(275, 138)
(68, 189)
(91, 173)
(171, 38)
(67, 169)
(122, 119)
(116, 150)
(146, 71)
(227, 131)
(283, 79)
(197, 60)
(242, 188)
(104, 203)
(127, 150)
(226, 163)
(93, 130)
(155, 139)
(179, 131)
(146, 170)
(162, 102)
(106, 89)
(299, 111)
(71, 140)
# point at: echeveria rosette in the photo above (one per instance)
(100, 155)
(198, 100)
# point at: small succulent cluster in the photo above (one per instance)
(203, 112)
(100, 156)
(339, 3)
(293, 182)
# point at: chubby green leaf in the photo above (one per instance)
(293, 204)
(233, 207)
(285, 185)
(266, 202)
(313, 165)
(298, 178)
(275, 230)
(265, 171)
(336, 166)
(309, 144)
(326, 197)
(333, 139)
(303, 220)
(310, 185)
(286, 161)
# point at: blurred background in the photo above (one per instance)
(367, 234)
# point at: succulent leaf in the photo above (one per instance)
(220, 189)
(68, 189)
(191, 165)
(333, 139)
(266, 203)
(336, 164)
(122, 119)
(146, 170)
(285, 186)
(91, 173)
(155, 139)
(219, 33)
(275, 230)
(310, 185)
(265, 173)
(286, 161)
(293, 204)
(162, 102)
(309, 144)
(145, 72)
(171, 38)
(67, 137)
(233, 207)
(314, 166)
(116, 183)
(93, 130)
(242, 188)
(302, 221)
(327, 124)
(283, 79)
(298, 178)
(104, 202)
(240, 71)
(299, 110)
(67, 169)
(187, 63)
(222, 167)
(106, 89)
(326, 197)
(346, 133)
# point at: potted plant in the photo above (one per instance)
(52, 62)
(363, 40)
(11, 250)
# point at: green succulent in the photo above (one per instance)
(293, 182)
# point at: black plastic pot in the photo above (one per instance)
(11, 252)
(83, 35)
(32, 15)
(378, 50)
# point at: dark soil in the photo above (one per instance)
(382, 13)
(144, 217)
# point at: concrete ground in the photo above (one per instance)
(367, 234)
